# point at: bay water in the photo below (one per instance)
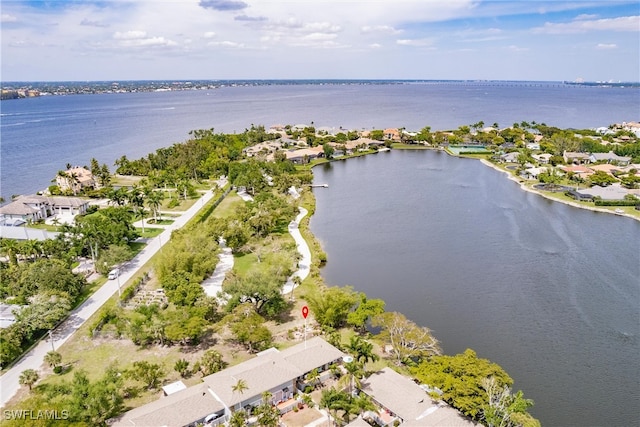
(39, 136)
(548, 291)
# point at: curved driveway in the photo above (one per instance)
(34, 359)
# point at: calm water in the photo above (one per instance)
(40, 136)
(550, 292)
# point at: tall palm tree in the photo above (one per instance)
(154, 200)
(353, 376)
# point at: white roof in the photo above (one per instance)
(173, 387)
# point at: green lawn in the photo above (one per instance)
(228, 206)
(150, 231)
(43, 226)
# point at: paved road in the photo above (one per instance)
(34, 359)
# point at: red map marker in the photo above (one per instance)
(305, 311)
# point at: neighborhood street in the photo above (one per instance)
(34, 359)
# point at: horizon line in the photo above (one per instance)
(325, 80)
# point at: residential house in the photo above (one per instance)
(611, 192)
(606, 167)
(392, 134)
(75, 179)
(609, 157)
(187, 407)
(575, 158)
(581, 171)
(511, 157)
(241, 386)
(402, 400)
(542, 158)
(34, 208)
(305, 154)
(533, 173)
(26, 208)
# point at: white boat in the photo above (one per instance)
(618, 211)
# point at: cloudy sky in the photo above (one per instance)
(315, 39)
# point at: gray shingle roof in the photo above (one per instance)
(176, 410)
(406, 399)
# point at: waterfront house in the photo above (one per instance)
(392, 134)
(403, 402)
(305, 154)
(75, 179)
(611, 192)
(511, 157)
(533, 173)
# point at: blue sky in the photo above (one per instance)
(314, 39)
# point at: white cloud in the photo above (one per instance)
(415, 42)
(227, 43)
(624, 23)
(380, 29)
(5, 17)
(129, 35)
(140, 39)
(166, 37)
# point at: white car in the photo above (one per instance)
(113, 274)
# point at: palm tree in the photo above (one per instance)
(9, 247)
(353, 376)
(241, 386)
(238, 419)
(154, 200)
(31, 249)
(313, 377)
(362, 350)
(53, 359)
(29, 377)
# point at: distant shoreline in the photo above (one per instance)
(34, 89)
(566, 202)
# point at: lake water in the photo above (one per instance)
(549, 292)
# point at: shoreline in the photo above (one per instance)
(524, 187)
(522, 184)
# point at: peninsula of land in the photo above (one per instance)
(202, 281)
